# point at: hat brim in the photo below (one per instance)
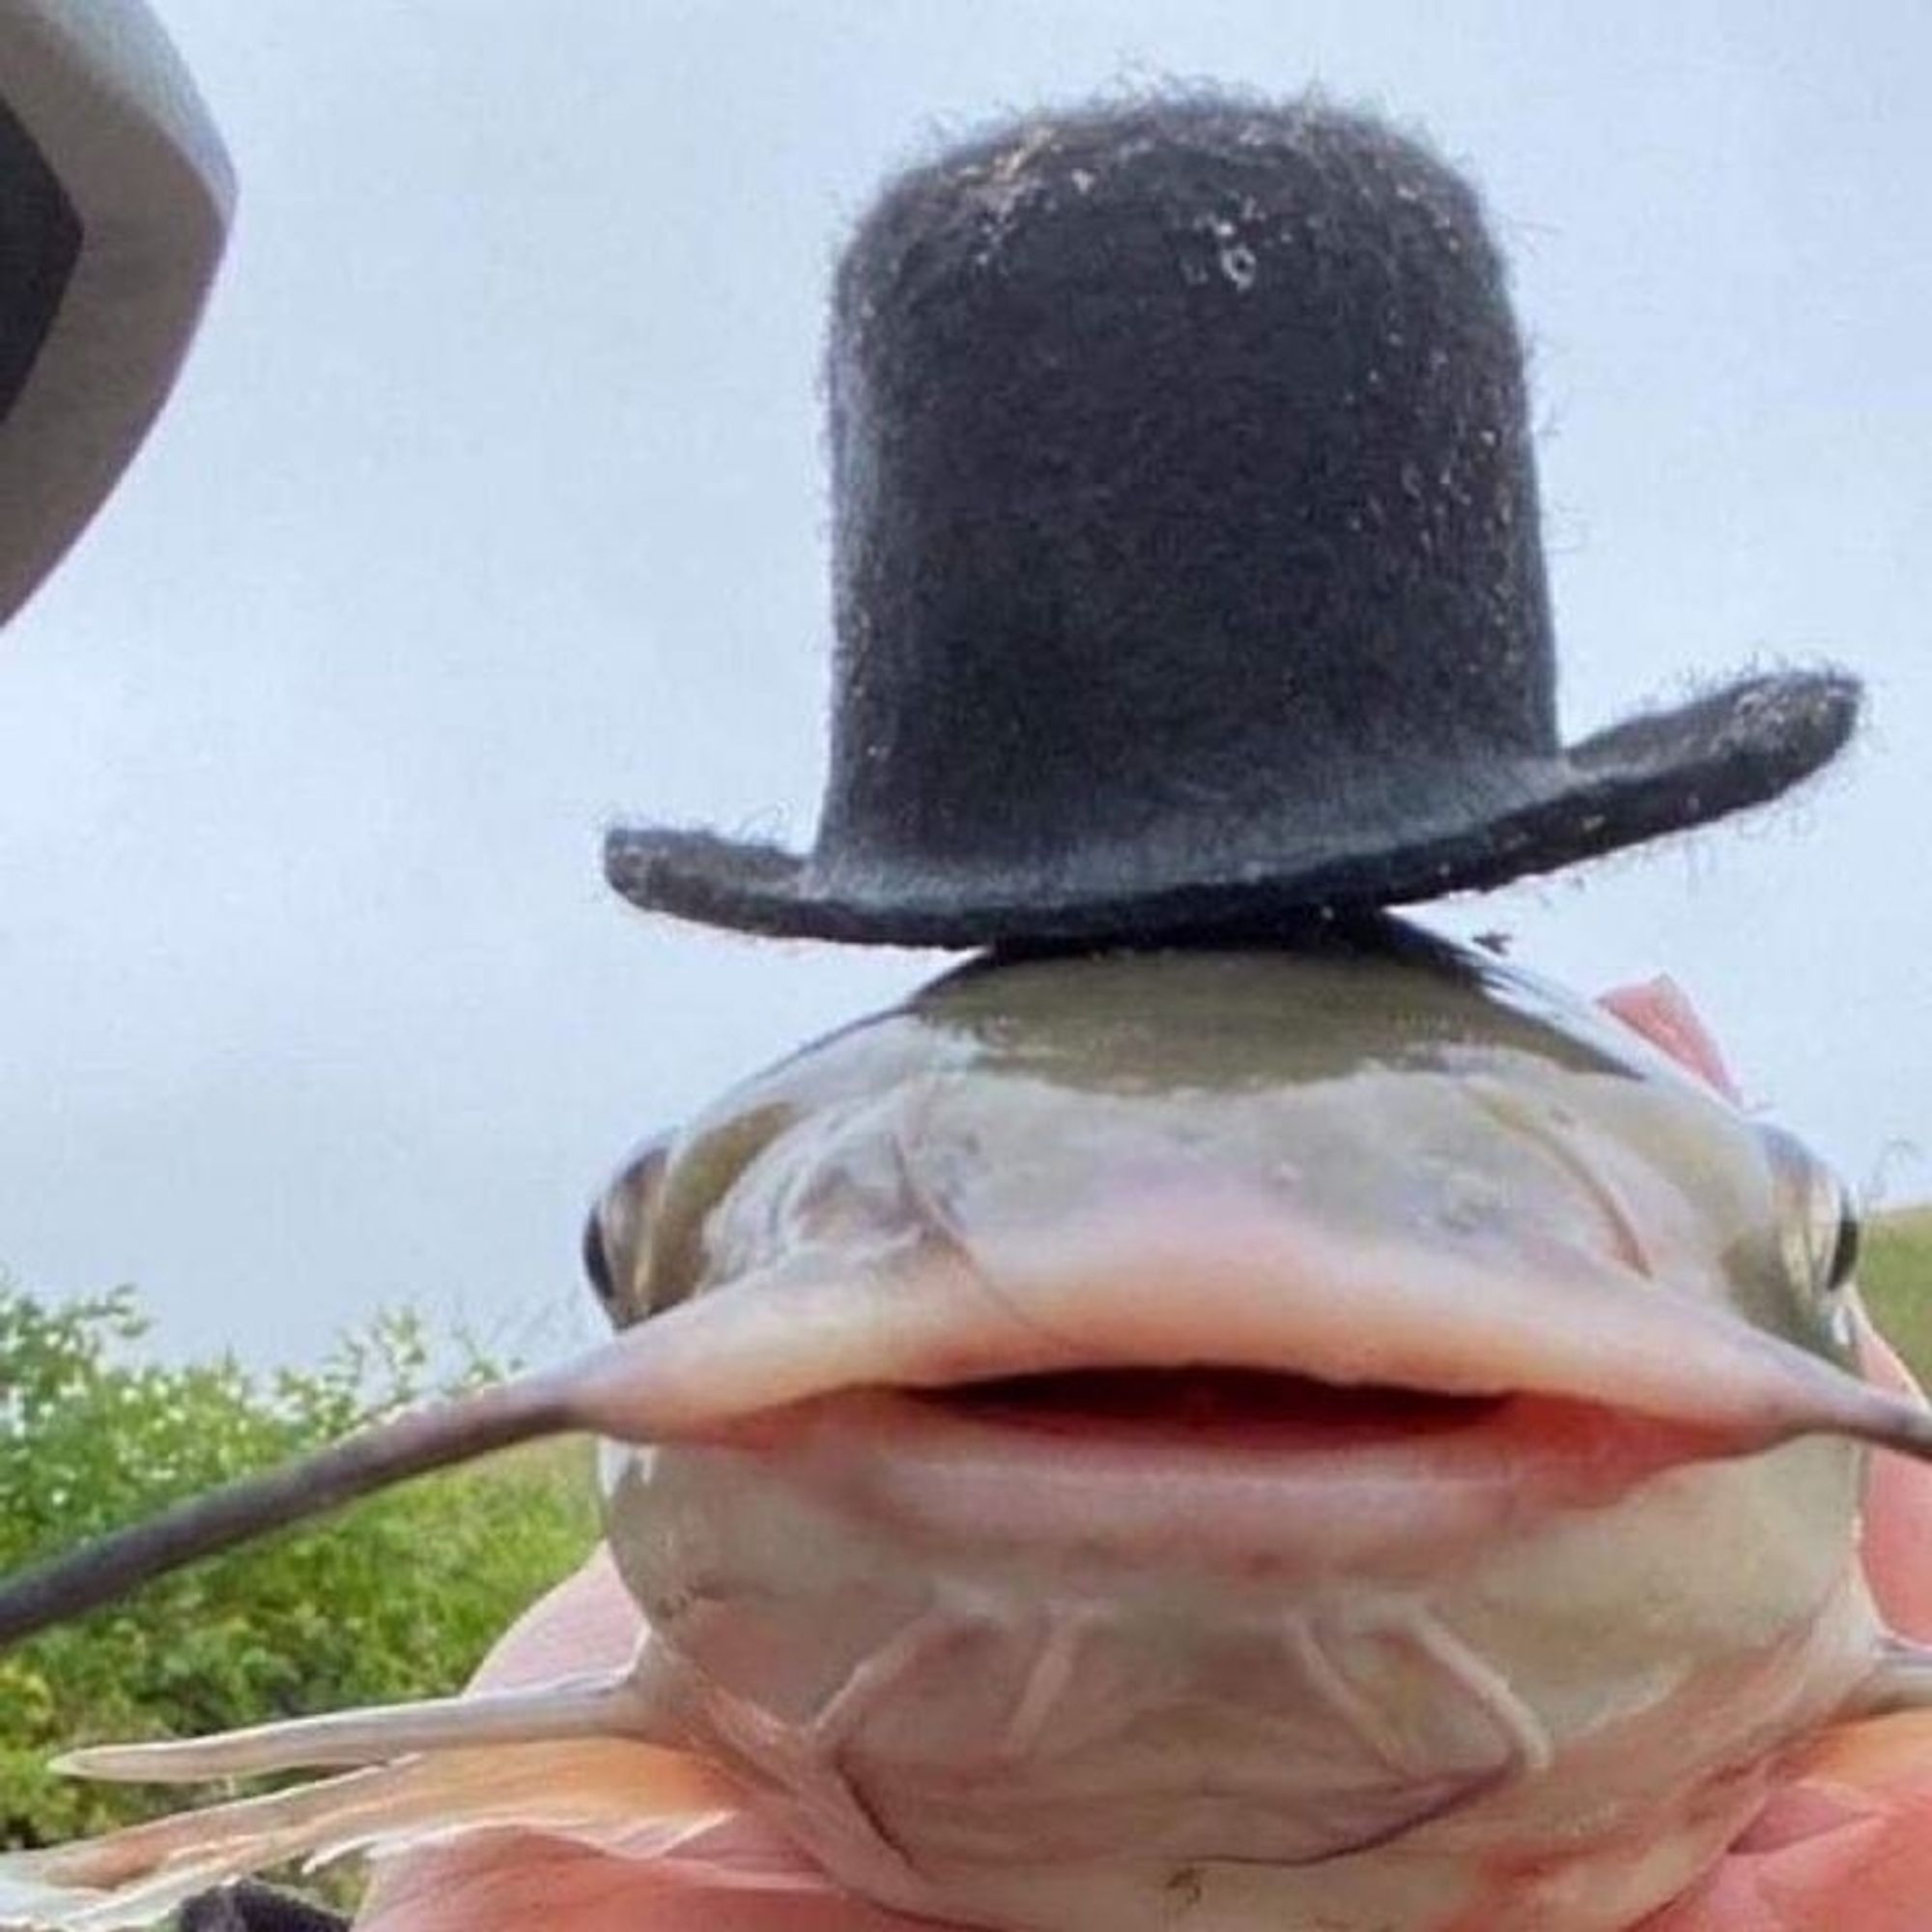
(1655, 774)
(117, 197)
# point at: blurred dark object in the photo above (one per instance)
(115, 195)
(255, 1908)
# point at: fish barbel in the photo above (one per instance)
(1332, 1437)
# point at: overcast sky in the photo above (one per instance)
(491, 508)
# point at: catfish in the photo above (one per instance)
(1336, 1434)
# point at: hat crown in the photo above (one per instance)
(1180, 458)
(1187, 558)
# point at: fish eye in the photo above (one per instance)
(596, 1263)
(1819, 1221)
(1831, 1232)
(617, 1232)
(1845, 1245)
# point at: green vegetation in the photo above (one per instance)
(396, 1598)
(1896, 1275)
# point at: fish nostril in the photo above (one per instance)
(1469, 1203)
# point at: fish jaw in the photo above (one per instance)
(1298, 1499)
(938, 1719)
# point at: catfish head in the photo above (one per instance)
(1334, 1437)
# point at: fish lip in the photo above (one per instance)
(1397, 1501)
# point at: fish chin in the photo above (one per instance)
(1059, 1732)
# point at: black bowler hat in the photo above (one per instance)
(1188, 569)
(114, 201)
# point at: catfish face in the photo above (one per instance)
(1295, 1434)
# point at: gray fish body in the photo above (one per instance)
(1366, 1685)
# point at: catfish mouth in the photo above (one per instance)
(1230, 1467)
(1216, 1405)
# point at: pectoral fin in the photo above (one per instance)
(608, 1705)
(636, 1800)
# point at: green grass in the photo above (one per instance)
(1896, 1276)
(396, 1598)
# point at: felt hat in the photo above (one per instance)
(1188, 571)
(114, 201)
